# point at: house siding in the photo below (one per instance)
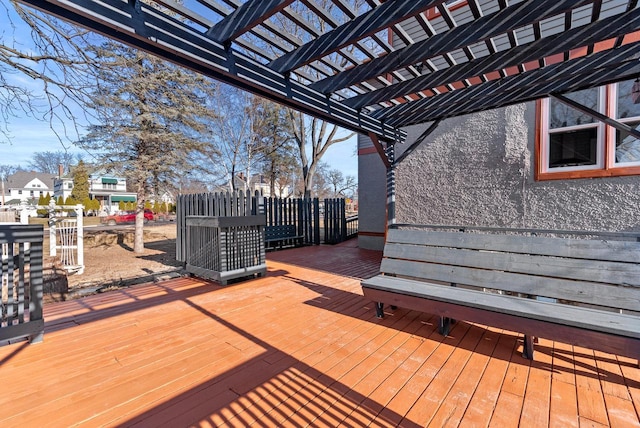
(478, 170)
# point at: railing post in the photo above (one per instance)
(52, 228)
(80, 236)
(36, 289)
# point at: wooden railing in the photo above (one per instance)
(21, 283)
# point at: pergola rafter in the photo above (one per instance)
(479, 30)
(244, 18)
(337, 63)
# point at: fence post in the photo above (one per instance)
(79, 209)
(52, 228)
(316, 221)
(343, 219)
(24, 215)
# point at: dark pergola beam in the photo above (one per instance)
(383, 16)
(244, 18)
(587, 72)
(481, 29)
(146, 28)
(380, 149)
(418, 141)
(614, 26)
(623, 127)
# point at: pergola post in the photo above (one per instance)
(391, 185)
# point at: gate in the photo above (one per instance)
(66, 237)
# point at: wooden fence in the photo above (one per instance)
(318, 221)
(21, 282)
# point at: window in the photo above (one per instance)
(571, 144)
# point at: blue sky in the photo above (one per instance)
(30, 135)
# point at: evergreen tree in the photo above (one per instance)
(277, 147)
(80, 191)
(42, 201)
(152, 117)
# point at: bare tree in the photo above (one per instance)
(55, 62)
(6, 171)
(249, 134)
(343, 186)
(316, 135)
(48, 162)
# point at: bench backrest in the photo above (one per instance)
(280, 232)
(585, 271)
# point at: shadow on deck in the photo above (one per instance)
(298, 347)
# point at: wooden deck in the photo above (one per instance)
(298, 347)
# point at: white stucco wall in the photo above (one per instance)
(478, 170)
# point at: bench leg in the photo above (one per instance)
(379, 310)
(528, 347)
(444, 326)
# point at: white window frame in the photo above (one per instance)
(546, 130)
(606, 164)
(611, 131)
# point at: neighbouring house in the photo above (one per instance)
(109, 189)
(25, 186)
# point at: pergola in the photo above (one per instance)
(362, 70)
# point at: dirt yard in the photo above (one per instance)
(111, 263)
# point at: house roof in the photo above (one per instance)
(20, 179)
(337, 63)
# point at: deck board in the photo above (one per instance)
(298, 347)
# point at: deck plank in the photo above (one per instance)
(299, 346)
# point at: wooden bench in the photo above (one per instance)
(283, 235)
(583, 292)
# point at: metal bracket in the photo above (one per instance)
(597, 115)
(418, 141)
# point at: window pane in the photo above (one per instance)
(626, 107)
(573, 148)
(561, 115)
(627, 147)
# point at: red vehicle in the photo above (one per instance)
(126, 217)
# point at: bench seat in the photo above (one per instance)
(283, 235)
(581, 292)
